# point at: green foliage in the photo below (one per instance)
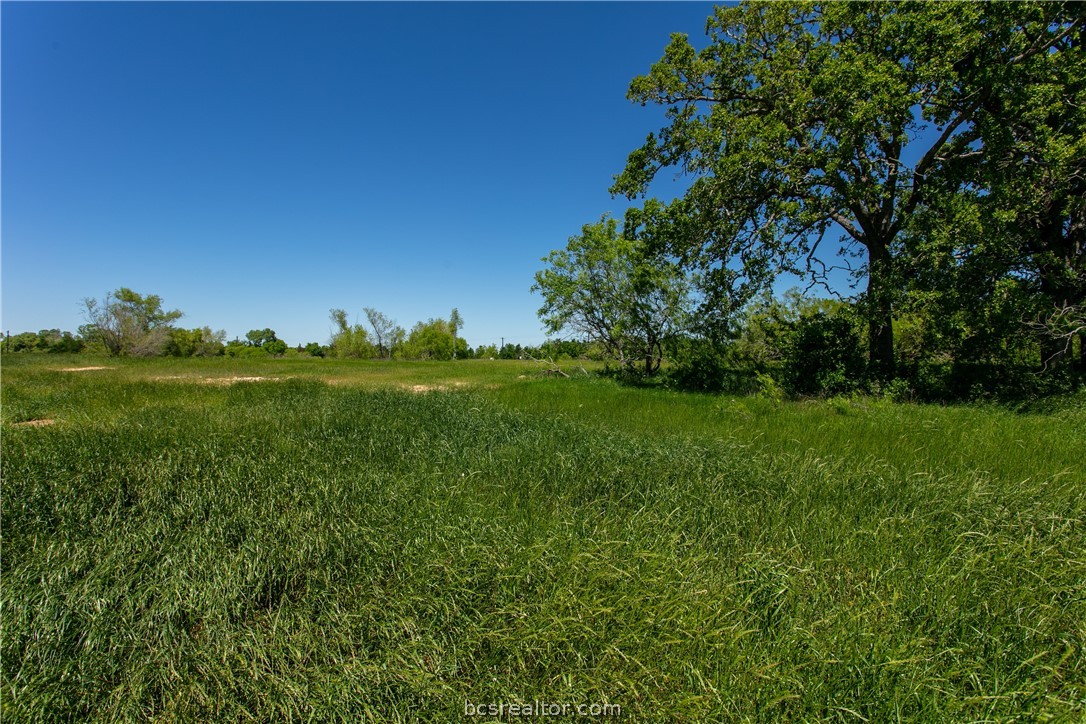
(766, 386)
(434, 339)
(127, 323)
(260, 337)
(200, 342)
(275, 347)
(46, 340)
(997, 266)
(511, 351)
(463, 350)
(780, 340)
(1035, 171)
(387, 335)
(455, 323)
(701, 365)
(430, 340)
(350, 341)
(244, 350)
(23, 342)
(824, 356)
(799, 116)
(315, 349)
(609, 289)
(57, 342)
(557, 349)
(182, 342)
(266, 341)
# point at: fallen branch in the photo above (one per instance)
(553, 368)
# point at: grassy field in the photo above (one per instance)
(390, 541)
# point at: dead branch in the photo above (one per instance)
(552, 366)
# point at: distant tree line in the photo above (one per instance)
(46, 340)
(127, 323)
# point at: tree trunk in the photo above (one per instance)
(1055, 352)
(880, 313)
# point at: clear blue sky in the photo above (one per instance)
(256, 164)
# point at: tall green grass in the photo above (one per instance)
(296, 549)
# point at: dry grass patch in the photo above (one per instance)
(35, 423)
(419, 389)
(215, 380)
(84, 369)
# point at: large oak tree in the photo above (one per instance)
(801, 119)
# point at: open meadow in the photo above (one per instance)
(225, 539)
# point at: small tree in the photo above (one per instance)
(259, 337)
(432, 339)
(609, 289)
(349, 340)
(386, 333)
(126, 322)
(199, 342)
(266, 341)
(455, 323)
(23, 342)
(207, 342)
(275, 347)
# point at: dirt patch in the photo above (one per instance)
(83, 369)
(419, 389)
(456, 384)
(213, 380)
(234, 380)
(35, 423)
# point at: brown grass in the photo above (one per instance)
(215, 380)
(35, 423)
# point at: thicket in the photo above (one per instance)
(802, 346)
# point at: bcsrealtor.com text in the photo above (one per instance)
(540, 708)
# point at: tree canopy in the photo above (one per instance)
(128, 323)
(605, 287)
(799, 120)
(386, 333)
(350, 340)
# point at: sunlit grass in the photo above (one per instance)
(290, 548)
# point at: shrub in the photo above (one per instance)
(768, 387)
(701, 366)
(824, 356)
